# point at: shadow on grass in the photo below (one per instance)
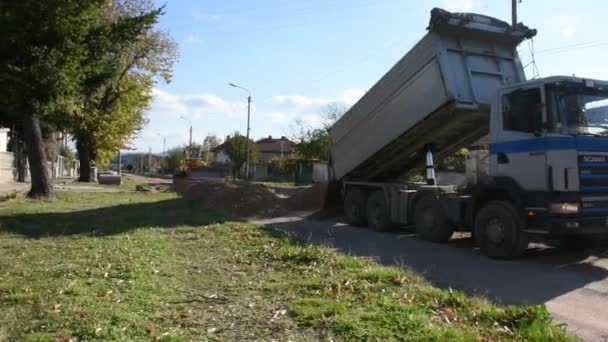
(535, 278)
(111, 220)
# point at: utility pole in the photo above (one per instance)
(248, 126)
(183, 117)
(514, 12)
(247, 144)
(164, 156)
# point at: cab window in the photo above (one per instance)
(522, 110)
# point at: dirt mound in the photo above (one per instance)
(242, 199)
(252, 200)
(153, 188)
(308, 199)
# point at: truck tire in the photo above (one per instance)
(499, 231)
(432, 223)
(378, 212)
(354, 208)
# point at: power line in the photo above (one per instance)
(573, 47)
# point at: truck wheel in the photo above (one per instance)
(378, 212)
(498, 231)
(431, 221)
(354, 207)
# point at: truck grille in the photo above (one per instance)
(593, 173)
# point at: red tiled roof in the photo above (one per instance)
(275, 145)
(269, 145)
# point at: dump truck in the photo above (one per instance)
(545, 171)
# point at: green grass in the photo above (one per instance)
(142, 266)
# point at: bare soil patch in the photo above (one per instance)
(254, 200)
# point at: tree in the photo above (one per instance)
(175, 158)
(313, 143)
(211, 141)
(236, 149)
(41, 68)
(126, 57)
(332, 113)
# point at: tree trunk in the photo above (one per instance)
(42, 186)
(84, 156)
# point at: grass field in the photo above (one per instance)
(134, 266)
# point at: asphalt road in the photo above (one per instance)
(573, 284)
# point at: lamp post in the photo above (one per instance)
(164, 145)
(248, 128)
(190, 122)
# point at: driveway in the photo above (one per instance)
(573, 284)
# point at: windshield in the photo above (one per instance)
(578, 110)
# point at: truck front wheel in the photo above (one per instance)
(499, 231)
(378, 212)
(431, 221)
(354, 207)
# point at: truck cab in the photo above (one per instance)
(548, 155)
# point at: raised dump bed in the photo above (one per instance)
(439, 93)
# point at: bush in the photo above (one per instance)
(282, 168)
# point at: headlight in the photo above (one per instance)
(564, 208)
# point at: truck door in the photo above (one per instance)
(518, 151)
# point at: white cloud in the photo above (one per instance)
(566, 24)
(304, 104)
(194, 106)
(568, 32)
(192, 39)
(311, 109)
(312, 118)
(204, 16)
(462, 5)
(277, 116)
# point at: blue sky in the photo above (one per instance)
(298, 56)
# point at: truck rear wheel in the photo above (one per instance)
(354, 207)
(378, 212)
(432, 223)
(498, 231)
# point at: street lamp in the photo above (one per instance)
(248, 128)
(190, 122)
(164, 145)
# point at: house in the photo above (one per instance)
(220, 156)
(271, 148)
(7, 169)
(267, 149)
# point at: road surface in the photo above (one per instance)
(573, 284)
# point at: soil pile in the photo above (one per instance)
(252, 200)
(242, 199)
(308, 199)
(153, 188)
